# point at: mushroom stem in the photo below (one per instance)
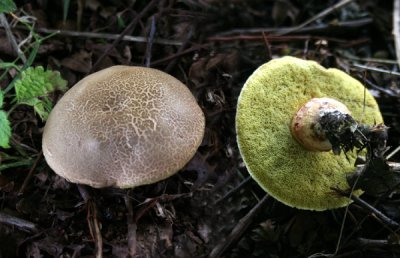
(324, 124)
(306, 125)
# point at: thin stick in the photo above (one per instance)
(345, 216)
(376, 87)
(318, 16)
(375, 69)
(374, 211)
(371, 209)
(396, 28)
(267, 45)
(237, 188)
(364, 242)
(30, 173)
(178, 54)
(82, 34)
(180, 50)
(308, 29)
(92, 220)
(11, 38)
(391, 154)
(132, 227)
(274, 38)
(21, 224)
(238, 230)
(350, 56)
(150, 40)
(130, 27)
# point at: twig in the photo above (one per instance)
(267, 45)
(92, 220)
(308, 29)
(239, 229)
(150, 40)
(79, 13)
(130, 27)
(364, 242)
(151, 202)
(375, 211)
(377, 87)
(396, 28)
(134, 216)
(392, 153)
(375, 69)
(348, 55)
(30, 173)
(274, 38)
(82, 34)
(178, 54)
(370, 208)
(237, 188)
(316, 17)
(22, 224)
(11, 38)
(132, 227)
(180, 50)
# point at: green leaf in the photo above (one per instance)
(36, 82)
(7, 6)
(5, 130)
(35, 85)
(41, 106)
(26, 162)
(5, 65)
(65, 9)
(1, 98)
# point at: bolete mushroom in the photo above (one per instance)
(124, 127)
(276, 122)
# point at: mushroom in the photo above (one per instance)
(124, 127)
(277, 124)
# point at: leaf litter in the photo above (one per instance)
(217, 45)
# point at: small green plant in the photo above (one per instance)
(7, 6)
(31, 85)
(34, 86)
(5, 128)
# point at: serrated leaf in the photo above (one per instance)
(7, 6)
(36, 82)
(5, 130)
(35, 85)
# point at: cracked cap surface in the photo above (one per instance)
(123, 126)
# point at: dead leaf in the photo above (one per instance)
(79, 62)
(282, 10)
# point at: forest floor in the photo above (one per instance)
(212, 207)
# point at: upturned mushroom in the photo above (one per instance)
(279, 132)
(124, 127)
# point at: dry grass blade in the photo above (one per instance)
(396, 28)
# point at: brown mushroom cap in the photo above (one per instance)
(123, 126)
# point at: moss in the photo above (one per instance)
(266, 105)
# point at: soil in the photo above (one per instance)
(212, 207)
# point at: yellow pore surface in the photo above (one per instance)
(267, 103)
